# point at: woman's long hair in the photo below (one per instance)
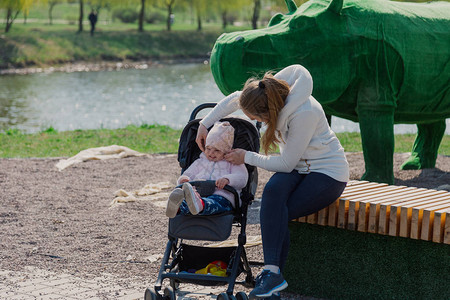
(264, 99)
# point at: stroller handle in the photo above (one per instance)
(211, 105)
(200, 108)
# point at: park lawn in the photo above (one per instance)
(50, 143)
(145, 138)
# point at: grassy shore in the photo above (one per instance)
(39, 47)
(146, 138)
(44, 45)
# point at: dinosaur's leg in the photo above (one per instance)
(426, 145)
(377, 136)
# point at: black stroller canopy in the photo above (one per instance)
(246, 136)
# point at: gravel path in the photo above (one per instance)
(62, 221)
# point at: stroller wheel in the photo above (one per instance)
(223, 296)
(241, 296)
(169, 294)
(150, 294)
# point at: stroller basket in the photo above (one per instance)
(196, 258)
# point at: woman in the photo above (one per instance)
(311, 170)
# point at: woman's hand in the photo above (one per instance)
(202, 132)
(222, 182)
(236, 156)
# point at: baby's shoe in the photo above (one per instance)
(193, 199)
(175, 199)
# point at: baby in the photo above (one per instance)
(211, 165)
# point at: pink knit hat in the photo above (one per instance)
(221, 136)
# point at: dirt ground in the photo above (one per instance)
(62, 220)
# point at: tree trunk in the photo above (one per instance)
(169, 17)
(50, 12)
(80, 21)
(224, 19)
(141, 16)
(256, 10)
(199, 23)
(10, 17)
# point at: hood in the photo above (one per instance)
(301, 86)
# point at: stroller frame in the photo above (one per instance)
(238, 262)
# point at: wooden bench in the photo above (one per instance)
(409, 212)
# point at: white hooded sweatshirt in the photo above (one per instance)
(308, 143)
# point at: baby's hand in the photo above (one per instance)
(183, 179)
(220, 183)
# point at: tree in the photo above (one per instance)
(170, 4)
(128, 3)
(80, 19)
(256, 12)
(13, 8)
(224, 7)
(200, 6)
(51, 5)
(141, 16)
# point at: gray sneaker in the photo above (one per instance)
(267, 284)
(174, 202)
(193, 199)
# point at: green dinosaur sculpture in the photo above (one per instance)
(375, 62)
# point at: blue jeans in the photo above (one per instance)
(289, 196)
(214, 204)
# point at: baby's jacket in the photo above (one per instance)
(204, 169)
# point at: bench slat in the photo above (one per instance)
(407, 208)
(342, 213)
(417, 213)
(439, 225)
(427, 221)
(447, 229)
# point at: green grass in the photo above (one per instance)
(145, 138)
(50, 143)
(351, 141)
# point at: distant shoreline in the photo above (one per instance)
(87, 66)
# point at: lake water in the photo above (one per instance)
(161, 94)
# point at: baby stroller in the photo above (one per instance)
(180, 258)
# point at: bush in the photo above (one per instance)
(72, 19)
(155, 17)
(126, 15)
